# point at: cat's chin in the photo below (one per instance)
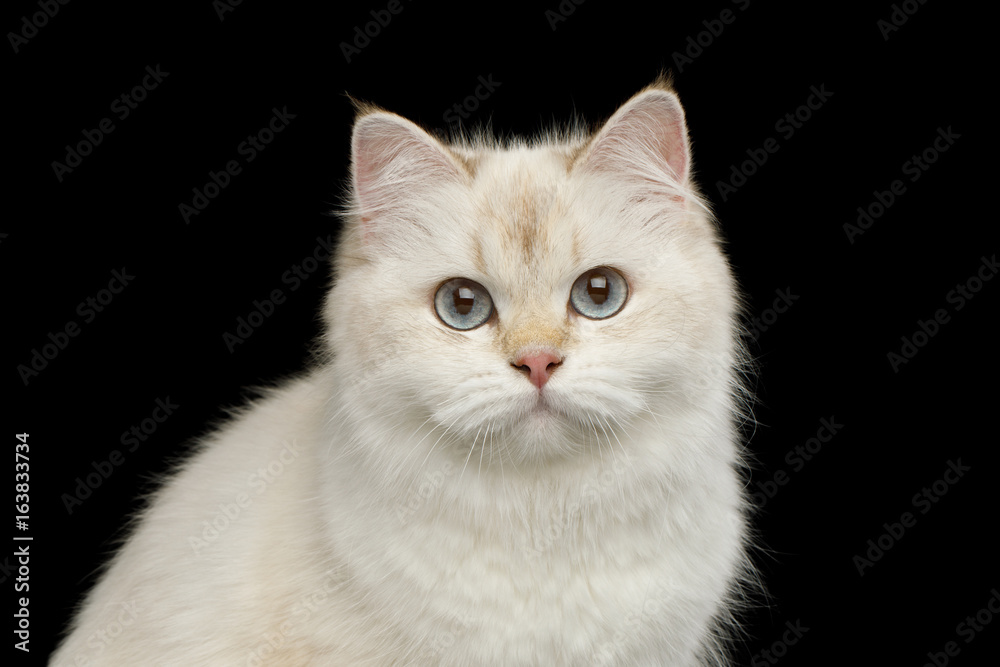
(543, 430)
(542, 416)
(542, 410)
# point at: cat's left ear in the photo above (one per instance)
(647, 131)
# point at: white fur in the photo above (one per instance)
(421, 507)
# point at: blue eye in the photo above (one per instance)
(463, 304)
(599, 293)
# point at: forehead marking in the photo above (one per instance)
(477, 254)
(527, 215)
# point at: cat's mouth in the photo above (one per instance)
(543, 405)
(544, 410)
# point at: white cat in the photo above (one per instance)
(521, 447)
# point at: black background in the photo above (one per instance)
(826, 357)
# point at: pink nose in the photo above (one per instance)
(538, 366)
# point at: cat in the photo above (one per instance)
(520, 444)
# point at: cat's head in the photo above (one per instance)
(538, 298)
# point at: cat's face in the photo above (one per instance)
(537, 300)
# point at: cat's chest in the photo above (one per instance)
(597, 573)
(545, 594)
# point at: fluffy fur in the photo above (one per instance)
(415, 499)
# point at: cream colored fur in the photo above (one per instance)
(414, 500)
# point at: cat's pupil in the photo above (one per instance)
(597, 288)
(464, 298)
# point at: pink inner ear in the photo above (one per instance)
(651, 124)
(672, 138)
(374, 144)
(365, 177)
(364, 172)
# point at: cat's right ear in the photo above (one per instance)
(393, 161)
